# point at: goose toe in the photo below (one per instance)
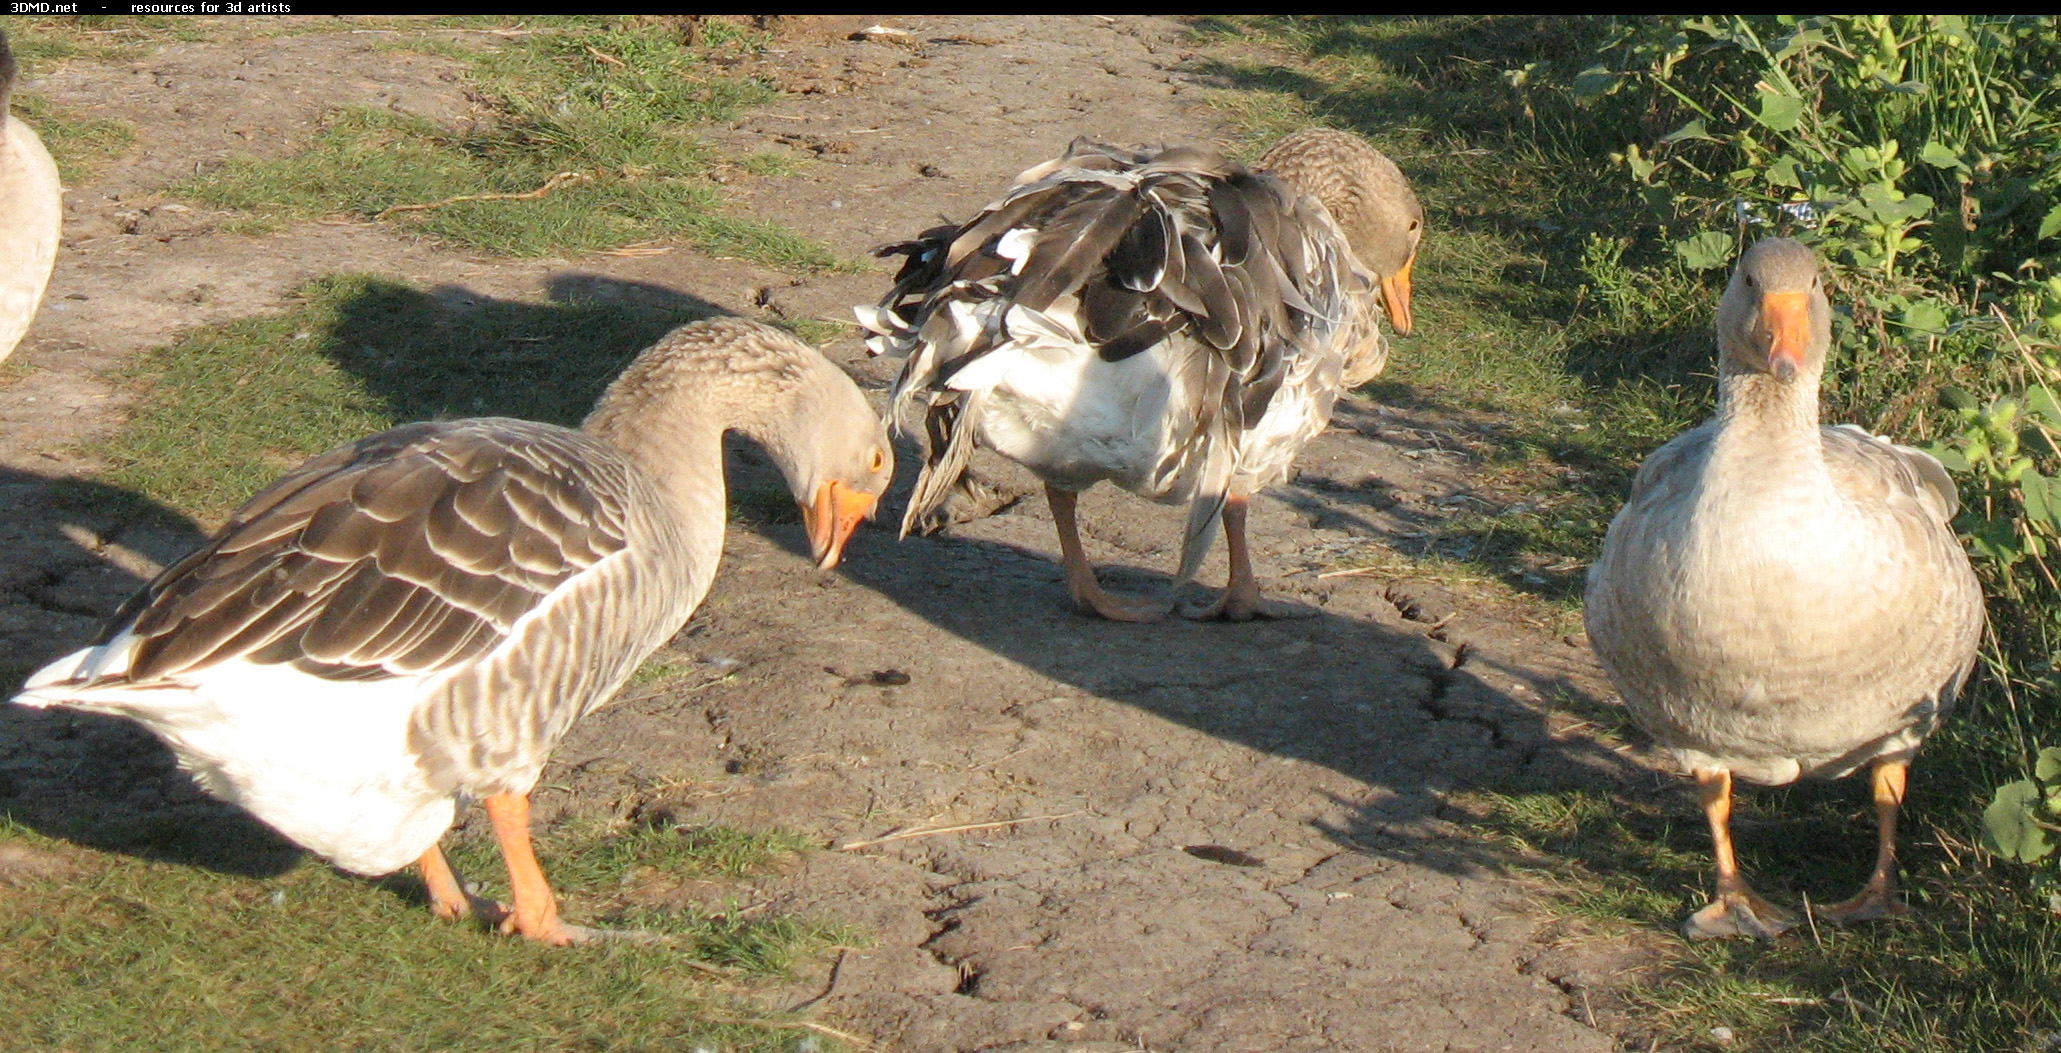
(1738, 914)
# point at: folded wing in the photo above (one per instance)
(412, 551)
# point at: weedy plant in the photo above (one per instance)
(1918, 154)
(2004, 450)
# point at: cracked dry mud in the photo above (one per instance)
(1248, 846)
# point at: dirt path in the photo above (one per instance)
(1243, 844)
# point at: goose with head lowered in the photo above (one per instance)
(417, 618)
(1166, 320)
(1780, 600)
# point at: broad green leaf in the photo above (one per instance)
(2009, 826)
(1954, 460)
(2040, 400)
(1939, 156)
(1884, 204)
(1778, 112)
(1708, 27)
(2037, 490)
(2051, 225)
(2035, 441)
(1641, 168)
(1925, 316)
(2048, 768)
(1787, 47)
(1691, 130)
(1594, 82)
(1706, 251)
(1957, 398)
(1783, 173)
(1998, 541)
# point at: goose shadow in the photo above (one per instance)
(73, 551)
(450, 351)
(1411, 717)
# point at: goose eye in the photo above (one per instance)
(1749, 281)
(877, 461)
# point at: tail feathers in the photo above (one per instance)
(60, 682)
(949, 440)
(1200, 535)
(1204, 509)
(56, 683)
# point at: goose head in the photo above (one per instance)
(1774, 318)
(721, 374)
(1369, 198)
(834, 451)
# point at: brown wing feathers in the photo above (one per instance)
(412, 550)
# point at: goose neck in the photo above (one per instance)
(1768, 410)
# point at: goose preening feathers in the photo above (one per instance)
(1166, 320)
(1781, 600)
(421, 615)
(31, 204)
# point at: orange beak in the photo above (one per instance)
(1786, 318)
(1395, 297)
(838, 510)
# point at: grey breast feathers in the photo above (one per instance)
(1138, 247)
(410, 551)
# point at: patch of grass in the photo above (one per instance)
(122, 38)
(657, 670)
(14, 371)
(818, 331)
(760, 505)
(591, 148)
(768, 163)
(590, 861)
(118, 953)
(79, 145)
(102, 38)
(1553, 318)
(683, 852)
(229, 407)
(1971, 969)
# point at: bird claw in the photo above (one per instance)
(1738, 914)
(552, 930)
(1871, 905)
(1233, 605)
(1122, 608)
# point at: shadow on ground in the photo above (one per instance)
(76, 549)
(453, 352)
